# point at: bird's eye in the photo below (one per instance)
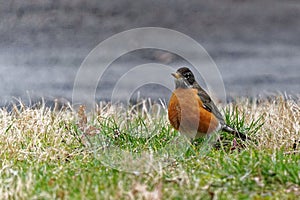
(187, 75)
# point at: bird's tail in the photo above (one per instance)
(228, 129)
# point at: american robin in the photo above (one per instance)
(192, 111)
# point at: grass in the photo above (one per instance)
(131, 152)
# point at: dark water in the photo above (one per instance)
(255, 44)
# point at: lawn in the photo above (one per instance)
(131, 152)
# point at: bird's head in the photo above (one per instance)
(184, 78)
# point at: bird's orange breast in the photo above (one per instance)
(187, 114)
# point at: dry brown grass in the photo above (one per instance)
(40, 134)
(280, 118)
(43, 134)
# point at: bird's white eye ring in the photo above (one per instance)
(187, 75)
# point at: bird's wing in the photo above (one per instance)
(209, 105)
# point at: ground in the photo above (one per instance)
(67, 153)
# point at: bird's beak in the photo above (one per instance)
(176, 75)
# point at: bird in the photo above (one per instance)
(192, 112)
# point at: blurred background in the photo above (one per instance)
(255, 44)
